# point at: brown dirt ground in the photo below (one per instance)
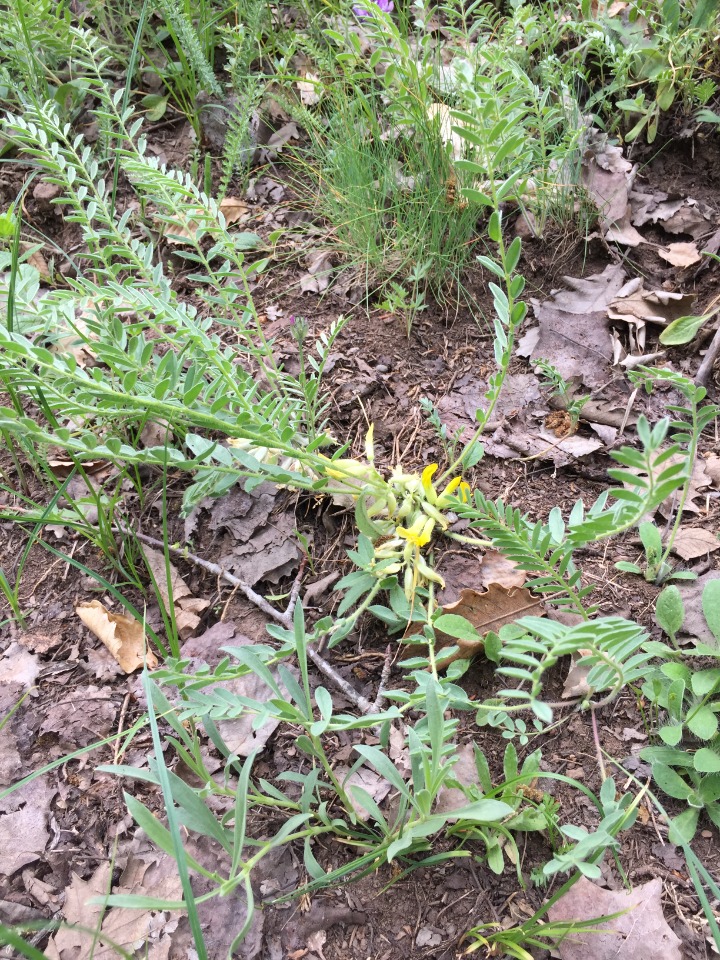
(426, 913)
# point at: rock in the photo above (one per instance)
(45, 192)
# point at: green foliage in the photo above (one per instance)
(618, 813)
(686, 699)
(559, 387)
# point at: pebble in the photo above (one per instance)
(382, 368)
(44, 192)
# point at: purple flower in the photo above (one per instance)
(387, 6)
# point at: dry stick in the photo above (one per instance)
(384, 677)
(596, 739)
(703, 374)
(282, 617)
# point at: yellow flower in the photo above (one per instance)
(426, 480)
(458, 484)
(419, 533)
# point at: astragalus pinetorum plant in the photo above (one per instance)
(84, 369)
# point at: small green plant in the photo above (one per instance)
(534, 811)
(685, 435)
(559, 387)
(397, 302)
(687, 703)
(657, 570)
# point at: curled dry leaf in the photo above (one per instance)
(680, 254)
(310, 89)
(607, 176)
(186, 607)
(186, 231)
(634, 304)
(123, 636)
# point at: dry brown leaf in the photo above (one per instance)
(692, 218)
(145, 933)
(677, 215)
(633, 303)
(234, 209)
(623, 232)
(23, 825)
(607, 177)
(695, 624)
(79, 720)
(496, 568)
(712, 470)
(368, 780)
(186, 607)
(486, 611)
(37, 260)
(179, 233)
(576, 684)
(10, 762)
(680, 254)
(310, 89)
(123, 636)
(640, 934)
(465, 772)
(319, 264)
(288, 131)
(239, 733)
(76, 343)
(692, 542)
(574, 331)
(18, 666)
(540, 445)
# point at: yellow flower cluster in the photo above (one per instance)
(408, 509)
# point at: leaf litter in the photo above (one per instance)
(640, 933)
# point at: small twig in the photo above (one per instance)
(331, 673)
(121, 722)
(384, 677)
(628, 409)
(705, 368)
(596, 739)
(214, 568)
(295, 592)
(282, 617)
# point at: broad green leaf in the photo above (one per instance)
(671, 734)
(703, 723)
(456, 626)
(711, 606)
(670, 782)
(705, 680)
(707, 760)
(682, 330)
(670, 611)
(683, 827)
(709, 789)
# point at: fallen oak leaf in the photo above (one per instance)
(633, 303)
(123, 636)
(640, 933)
(692, 542)
(484, 611)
